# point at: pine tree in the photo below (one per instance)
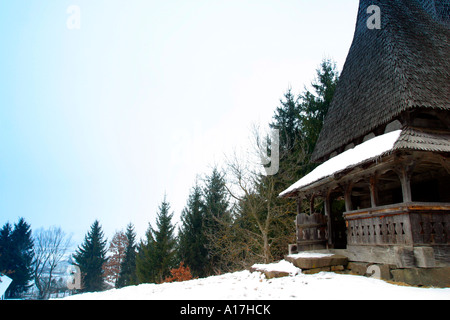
(286, 120)
(157, 256)
(216, 200)
(21, 255)
(6, 254)
(191, 239)
(127, 275)
(145, 259)
(165, 242)
(90, 257)
(300, 121)
(314, 105)
(217, 218)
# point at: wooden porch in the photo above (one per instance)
(387, 234)
(413, 223)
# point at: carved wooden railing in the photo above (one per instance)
(400, 224)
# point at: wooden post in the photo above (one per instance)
(404, 173)
(299, 204)
(373, 191)
(348, 197)
(327, 207)
(311, 204)
(406, 186)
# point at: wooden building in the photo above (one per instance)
(384, 149)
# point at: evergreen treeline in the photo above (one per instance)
(233, 217)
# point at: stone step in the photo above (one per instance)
(311, 261)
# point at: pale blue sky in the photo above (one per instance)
(100, 122)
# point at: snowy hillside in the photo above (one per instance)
(245, 285)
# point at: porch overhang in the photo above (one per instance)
(368, 151)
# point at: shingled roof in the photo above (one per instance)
(402, 66)
(423, 139)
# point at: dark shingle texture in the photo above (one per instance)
(423, 140)
(402, 66)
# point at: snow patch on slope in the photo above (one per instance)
(246, 285)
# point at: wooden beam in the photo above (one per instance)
(311, 204)
(299, 203)
(327, 206)
(373, 191)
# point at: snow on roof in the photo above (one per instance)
(5, 281)
(362, 152)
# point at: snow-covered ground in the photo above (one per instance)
(245, 285)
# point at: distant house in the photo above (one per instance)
(5, 281)
(384, 148)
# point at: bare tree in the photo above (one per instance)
(266, 221)
(262, 224)
(255, 207)
(50, 247)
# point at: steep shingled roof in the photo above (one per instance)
(403, 65)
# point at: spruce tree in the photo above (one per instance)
(191, 239)
(216, 199)
(6, 253)
(157, 256)
(314, 105)
(300, 121)
(217, 218)
(165, 242)
(286, 120)
(127, 275)
(90, 257)
(21, 255)
(145, 259)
